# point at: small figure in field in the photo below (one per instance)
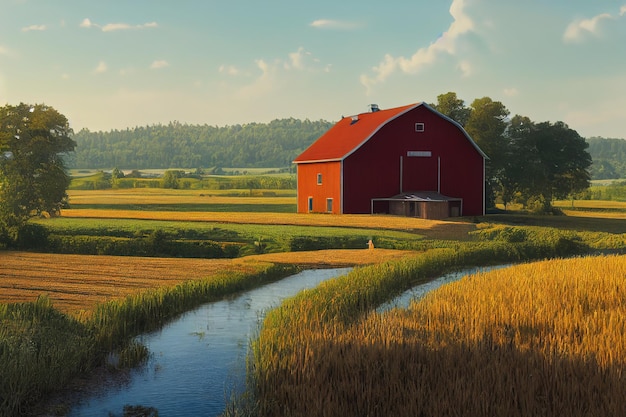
(370, 244)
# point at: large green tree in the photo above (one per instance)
(487, 124)
(453, 107)
(546, 161)
(33, 179)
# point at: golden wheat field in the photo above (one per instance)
(146, 196)
(79, 282)
(540, 339)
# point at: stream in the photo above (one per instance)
(199, 359)
(404, 300)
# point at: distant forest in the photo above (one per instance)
(177, 145)
(609, 158)
(253, 145)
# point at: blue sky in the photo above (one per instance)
(123, 63)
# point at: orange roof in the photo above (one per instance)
(349, 134)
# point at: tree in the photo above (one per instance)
(549, 160)
(171, 178)
(33, 179)
(487, 124)
(453, 107)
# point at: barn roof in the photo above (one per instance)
(350, 133)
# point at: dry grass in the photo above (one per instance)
(590, 204)
(435, 229)
(333, 257)
(594, 214)
(78, 282)
(145, 196)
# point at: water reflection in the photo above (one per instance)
(199, 359)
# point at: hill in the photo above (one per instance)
(178, 145)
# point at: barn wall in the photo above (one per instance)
(435, 210)
(373, 171)
(308, 187)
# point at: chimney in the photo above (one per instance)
(374, 107)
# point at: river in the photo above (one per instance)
(404, 300)
(198, 360)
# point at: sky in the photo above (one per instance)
(117, 64)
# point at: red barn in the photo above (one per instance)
(410, 160)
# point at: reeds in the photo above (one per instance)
(545, 339)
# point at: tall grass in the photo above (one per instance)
(116, 321)
(41, 349)
(297, 354)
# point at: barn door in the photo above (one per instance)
(420, 172)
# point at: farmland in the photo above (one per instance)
(103, 295)
(543, 338)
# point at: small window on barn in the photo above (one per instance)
(419, 127)
(329, 205)
(310, 204)
(319, 179)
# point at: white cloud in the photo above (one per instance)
(112, 27)
(229, 69)
(511, 92)
(301, 60)
(297, 59)
(465, 67)
(86, 23)
(34, 28)
(622, 10)
(262, 85)
(161, 63)
(101, 68)
(577, 30)
(333, 24)
(3, 50)
(445, 44)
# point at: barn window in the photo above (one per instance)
(329, 205)
(319, 179)
(310, 203)
(419, 127)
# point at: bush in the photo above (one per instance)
(305, 243)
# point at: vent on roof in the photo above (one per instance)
(354, 119)
(374, 107)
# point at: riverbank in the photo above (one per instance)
(95, 304)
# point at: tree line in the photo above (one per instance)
(178, 145)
